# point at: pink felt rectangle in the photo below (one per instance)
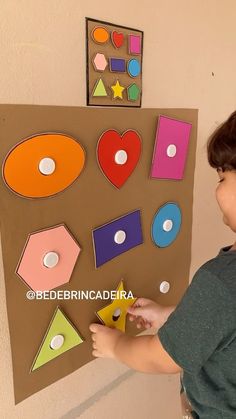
(134, 44)
(170, 131)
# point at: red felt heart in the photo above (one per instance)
(112, 142)
(117, 39)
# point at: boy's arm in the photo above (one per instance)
(142, 353)
(145, 354)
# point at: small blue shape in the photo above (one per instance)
(134, 67)
(118, 65)
(169, 211)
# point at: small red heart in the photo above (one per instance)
(117, 39)
(111, 148)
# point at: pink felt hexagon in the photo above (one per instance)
(31, 266)
(100, 62)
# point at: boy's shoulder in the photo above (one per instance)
(225, 258)
(223, 266)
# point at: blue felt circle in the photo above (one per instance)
(169, 211)
(134, 67)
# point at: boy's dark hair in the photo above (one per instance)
(221, 146)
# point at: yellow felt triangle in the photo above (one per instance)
(59, 325)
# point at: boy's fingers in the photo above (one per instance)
(140, 302)
(94, 327)
(136, 311)
(140, 322)
(96, 353)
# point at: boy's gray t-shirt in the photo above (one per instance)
(200, 336)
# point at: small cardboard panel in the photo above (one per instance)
(89, 202)
(114, 64)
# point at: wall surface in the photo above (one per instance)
(189, 62)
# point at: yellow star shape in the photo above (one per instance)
(109, 315)
(117, 90)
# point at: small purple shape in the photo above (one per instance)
(134, 44)
(171, 147)
(118, 65)
(105, 246)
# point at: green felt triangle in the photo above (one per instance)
(59, 325)
(100, 89)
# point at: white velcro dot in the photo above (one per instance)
(47, 166)
(167, 225)
(57, 342)
(171, 150)
(51, 259)
(120, 237)
(121, 157)
(117, 312)
(164, 287)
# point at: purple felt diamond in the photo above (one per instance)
(118, 236)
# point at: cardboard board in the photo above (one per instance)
(88, 203)
(111, 60)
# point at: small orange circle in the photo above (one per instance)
(100, 35)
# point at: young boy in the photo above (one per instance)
(198, 337)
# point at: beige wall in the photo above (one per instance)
(42, 61)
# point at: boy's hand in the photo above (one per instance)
(147, 313)
(104, 340)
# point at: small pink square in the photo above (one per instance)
(134, 44)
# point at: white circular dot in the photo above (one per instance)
(171, 150)
(167, 225)
(51, 259)
(47, 166)
(164, 287)
(120, 237)
(121, 157)
(57, 342)
(117, 312)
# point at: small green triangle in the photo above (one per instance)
(59, 325)
(99, 89)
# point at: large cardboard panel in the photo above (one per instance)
(88, 203)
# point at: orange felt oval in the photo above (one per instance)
(21, 166)
(100, 35)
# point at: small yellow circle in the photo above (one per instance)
(100, 35)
